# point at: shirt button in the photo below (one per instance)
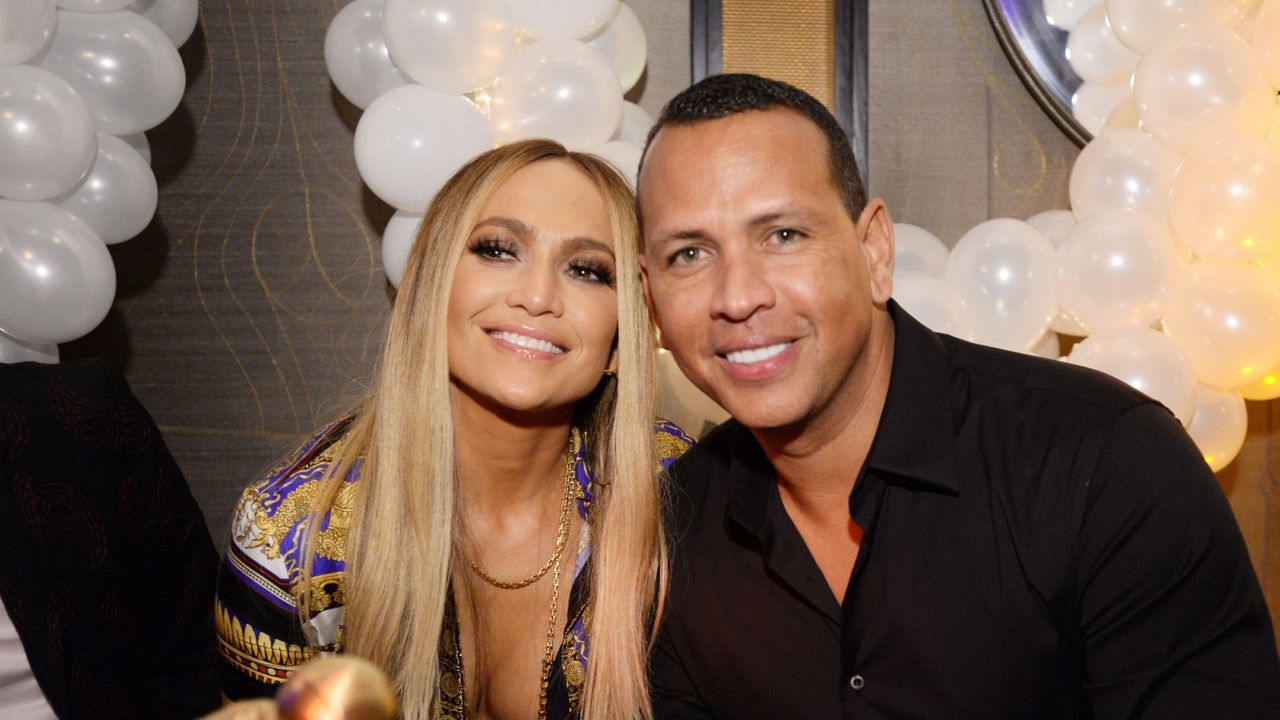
(857, 683)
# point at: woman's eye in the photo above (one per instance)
(591, 273)
(493, 250)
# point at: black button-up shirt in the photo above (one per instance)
(1039, 541)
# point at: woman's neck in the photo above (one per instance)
(508, 463)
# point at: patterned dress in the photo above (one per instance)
(260, 634)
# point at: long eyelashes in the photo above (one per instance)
(501, 250)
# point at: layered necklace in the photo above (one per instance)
(552, 564)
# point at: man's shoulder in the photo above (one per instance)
(1019, 381)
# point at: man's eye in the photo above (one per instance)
(685, 256)
(786, 235)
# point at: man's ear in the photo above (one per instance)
(875, 227)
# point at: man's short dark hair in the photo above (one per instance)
(720, 96)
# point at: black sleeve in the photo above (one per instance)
(1172, 620)
(175, 564)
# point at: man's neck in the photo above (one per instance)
(817, 464)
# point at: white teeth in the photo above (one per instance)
(525, 341)
(755, 355)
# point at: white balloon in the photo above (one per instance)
(47, 143)
(1117, 268)
(1138, 23)
(397, 240)
(1095, 53)
(623, 42)
(918, 250)
(932, 302)
(1054, 226)
(412, 139)
(635, 124)
(139, 142)
(1266, 40)
(56, 277)
(561, 89)
(1092, 104)
(1219, 426)
(1225, 317)
(125, 68)
(1003, 270)
(13, 350)
(1123, 116)
(1224, 200)
(177, 18)
(118, 198)
(1047, 346)
(623, 156)
(1125, 168)
(453, 46)
(1146, 360)
(93, 6)
(1064, 14)
(1199, 83)
(564, 19)
(25, 28)
(356, 55)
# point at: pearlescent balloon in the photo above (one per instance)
(56, 277)
(1125, 168)
(397, 241)
(1266, 40)
(93, 6)
(177, 18)
(635, 124)
(934, 304)
(1095, 53)
(13, 350)
(125, 68)
(1092, 104)
(1003, 270)
(624, 156)
(1225, 317)
(139, 142)
(561, 89)
(453, 46)
(1138, 23)
(1124, 116)
(1054, 226)
(118, 198)
(1064, 14)
(1199, 83)
(1226, 200)
(412, 138)
(1146, 360)
(25, 28)
(916, 250)
(47, 143)
(564, 19)
(356, 55)
(1117, 268)
(1266, 387)
(623, 42)
(1219, 425)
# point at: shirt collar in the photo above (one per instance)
(915, 440)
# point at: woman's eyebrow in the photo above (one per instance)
(586, 243)
(512, 224)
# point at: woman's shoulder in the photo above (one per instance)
(669, 441)
(267, 523)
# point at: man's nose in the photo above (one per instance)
(743, 287)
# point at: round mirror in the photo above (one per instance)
(1038, 51)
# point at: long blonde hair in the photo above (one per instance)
(404, 527)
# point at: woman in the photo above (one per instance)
(443, 531)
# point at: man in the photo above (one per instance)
(106, 566)
(897, 523)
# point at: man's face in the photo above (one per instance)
(763, 287)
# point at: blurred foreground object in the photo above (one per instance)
(338, 688)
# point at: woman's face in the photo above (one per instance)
(533, 310)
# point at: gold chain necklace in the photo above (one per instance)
(562, 533)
